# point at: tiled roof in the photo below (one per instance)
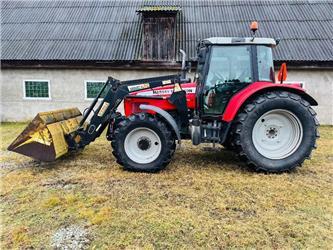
(110, 30)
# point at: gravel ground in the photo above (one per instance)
(71, 237)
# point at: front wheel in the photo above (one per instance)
(143, 143)
(276, 132)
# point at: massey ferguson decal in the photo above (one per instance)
(164, 92)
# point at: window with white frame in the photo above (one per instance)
(36, 89)
(92, 89)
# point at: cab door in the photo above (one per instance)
(229, 71)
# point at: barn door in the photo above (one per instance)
(159, 39)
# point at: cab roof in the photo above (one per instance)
(240, 40)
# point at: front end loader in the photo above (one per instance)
(235, 100)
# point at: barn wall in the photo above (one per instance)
(319, 84)
(68, 90)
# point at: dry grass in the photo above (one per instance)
(202, 200)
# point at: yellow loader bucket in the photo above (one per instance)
(44, 138)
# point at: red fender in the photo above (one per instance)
(237, 101)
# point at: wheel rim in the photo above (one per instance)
(277, 134)
(142, 145)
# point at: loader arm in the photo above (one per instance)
(116, 92)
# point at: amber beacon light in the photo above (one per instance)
(254, 28)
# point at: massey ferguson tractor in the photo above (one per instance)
(234, 101)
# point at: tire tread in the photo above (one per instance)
(251, 107)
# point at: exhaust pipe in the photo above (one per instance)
(183, 75)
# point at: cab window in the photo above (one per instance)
(265, 63)
(229, 64)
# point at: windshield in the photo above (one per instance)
(265, 64)
(229, 64)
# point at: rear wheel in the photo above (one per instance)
(143, 143)
(276, 132)
(228, 144)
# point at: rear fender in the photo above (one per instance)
(257, 88)
(168, 118)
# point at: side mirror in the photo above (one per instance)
(282, 75)
(202, 55)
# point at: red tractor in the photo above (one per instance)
(234, 100)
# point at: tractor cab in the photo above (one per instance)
(227, 65)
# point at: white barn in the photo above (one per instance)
(57, 54)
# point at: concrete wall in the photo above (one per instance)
(319, 84)
(68, 89)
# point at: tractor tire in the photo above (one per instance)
(228, 144)
(143, 143)
(276, 132)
